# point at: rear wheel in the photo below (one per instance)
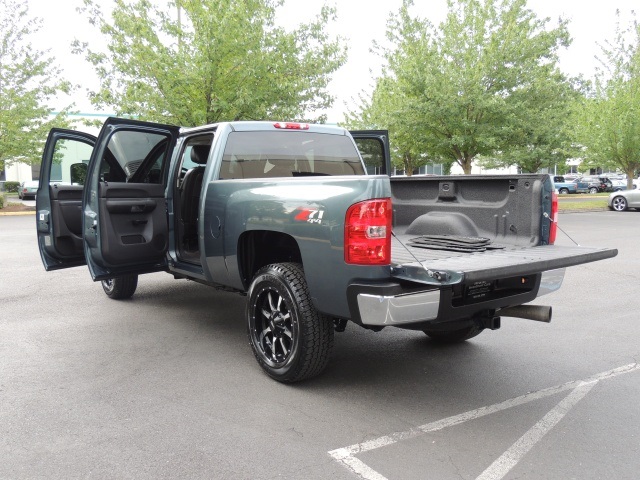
(564, 191)
(120, 288)
(454, 336)
(593, 190)
(619, 204)
(290, 339)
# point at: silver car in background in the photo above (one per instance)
(623, 200)
(28, 189)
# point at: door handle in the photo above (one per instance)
(139, 222)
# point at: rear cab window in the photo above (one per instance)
(288, 154)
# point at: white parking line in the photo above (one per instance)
(509, 459)
(346, 455)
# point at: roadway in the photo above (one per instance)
(165, 386)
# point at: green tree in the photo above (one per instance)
(468, 88)
(203, 61)
(29, 80)
(385, 111)
(543, 139)
(608, 122)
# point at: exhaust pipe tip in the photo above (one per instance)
(539, 313)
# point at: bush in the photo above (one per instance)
(11, 187)
(1, 200)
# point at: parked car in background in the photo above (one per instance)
(622, 200)
(561, 185)
(582, 186)
(595, 184)
(618, 184)
(28, 189)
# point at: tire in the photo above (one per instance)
(454, 336)
(593, 190)
(563, 191)
(120, 288)
(290, 339)
(619, 204)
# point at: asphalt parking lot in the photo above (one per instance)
(165, 386)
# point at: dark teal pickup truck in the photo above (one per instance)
(305, 221)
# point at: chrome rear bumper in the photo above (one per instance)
(382, 310)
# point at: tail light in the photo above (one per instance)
(553, 228)
(367, 233)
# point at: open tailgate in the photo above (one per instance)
(448, 268)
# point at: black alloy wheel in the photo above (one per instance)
(290, 339)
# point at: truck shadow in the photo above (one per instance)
(381, 366)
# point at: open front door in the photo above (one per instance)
(125, 225)
(374, 148)
(59, 198)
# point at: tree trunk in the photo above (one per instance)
(408, 164)
(465, 163)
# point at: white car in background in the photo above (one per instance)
(28, 189)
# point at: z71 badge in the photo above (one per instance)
(310, 215)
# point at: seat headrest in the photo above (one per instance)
(199, 154)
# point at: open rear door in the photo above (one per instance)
(374, 148)
(59, 198)
(125, 226)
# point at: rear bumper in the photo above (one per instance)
(395, 305)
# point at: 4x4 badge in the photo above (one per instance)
(310, 215)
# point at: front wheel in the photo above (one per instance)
(564, 191)
(290, 339)
(454, 336)
(120, 288)
(619, 204)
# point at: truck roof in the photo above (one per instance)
(256, 126)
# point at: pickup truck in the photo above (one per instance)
(303, 220)
(562, 186)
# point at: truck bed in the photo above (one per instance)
(506, 212)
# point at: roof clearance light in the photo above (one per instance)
(291, 126)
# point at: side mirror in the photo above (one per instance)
(78, 173)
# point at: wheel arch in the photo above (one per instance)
(258, 248)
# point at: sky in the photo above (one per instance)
(359, 22)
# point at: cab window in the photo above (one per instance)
(135, 157)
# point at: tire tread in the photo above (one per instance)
(316, 341)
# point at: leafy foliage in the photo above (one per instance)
(483, 83)
(215, 60)
(28, 81)
(608, 122)
(12, 187)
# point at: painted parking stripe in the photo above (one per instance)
(346, 455)
(509, 459)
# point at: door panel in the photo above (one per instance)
(59, 198)
(133, 223)
(66, 213)
(124, 205)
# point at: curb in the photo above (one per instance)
(15, 214)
